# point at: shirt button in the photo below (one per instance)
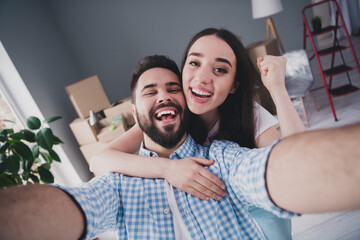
(166, 210)
(186, 212)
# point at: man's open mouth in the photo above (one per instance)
(165, 115)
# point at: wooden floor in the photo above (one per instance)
(344, 225)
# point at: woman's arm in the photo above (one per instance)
(272, 69)
(185, 174)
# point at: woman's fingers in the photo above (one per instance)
(190, 176)
(207, 186)
(205, 193)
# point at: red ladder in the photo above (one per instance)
(335, 48)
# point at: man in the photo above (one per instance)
(311, 172)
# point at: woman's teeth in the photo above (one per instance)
(201, 94)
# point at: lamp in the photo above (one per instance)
(266, 8)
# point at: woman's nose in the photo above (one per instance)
(203, 75)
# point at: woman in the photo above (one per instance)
(219, 84)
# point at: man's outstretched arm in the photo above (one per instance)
(39, 212)
(317, 171)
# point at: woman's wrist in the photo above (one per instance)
(164, 166)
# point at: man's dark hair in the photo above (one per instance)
(149, 62)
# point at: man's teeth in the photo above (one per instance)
(201, 93)
(169, 112)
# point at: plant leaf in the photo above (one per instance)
(54, 155)
(46, 157)
(34, 178)
(3, 163)
(45, 175)
(7, 120)
(6, 131)
(37, 160)
(4, 147)
(57, 140)
(23, 150)
(26, 175)
(33, 123)
(8, 180)
(35, 151)
(45, 138)
(29, 135)
(17, 136)
(52, 119)
(14, 164)
(46, 166)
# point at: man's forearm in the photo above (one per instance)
(317, 171)
(38, 212)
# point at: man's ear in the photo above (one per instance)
(134, 112)
(234, 87)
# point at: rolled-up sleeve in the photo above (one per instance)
(247, 177)
(101, 203)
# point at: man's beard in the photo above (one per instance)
(169, 138)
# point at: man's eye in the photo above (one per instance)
(175, 90)
(149, 93)
(221, 70)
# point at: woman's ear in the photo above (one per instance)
(234, 87)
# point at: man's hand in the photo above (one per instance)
(189, 176)
(38, 211)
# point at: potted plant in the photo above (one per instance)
(316, 23)
(26, 155)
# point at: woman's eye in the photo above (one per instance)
(193, 63)
(221, 70)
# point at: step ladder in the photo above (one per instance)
(335, 48)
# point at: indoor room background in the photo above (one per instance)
(55, 43)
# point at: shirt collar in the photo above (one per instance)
(187, 149)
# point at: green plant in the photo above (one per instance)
(26, 155)
(316, 23)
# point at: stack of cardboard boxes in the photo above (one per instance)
(112, 119)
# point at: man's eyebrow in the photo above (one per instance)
(149, 86)
(216, 59)
(173, 84)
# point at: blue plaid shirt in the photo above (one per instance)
(138, 208)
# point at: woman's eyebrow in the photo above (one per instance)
(224, 60)
(195, 54)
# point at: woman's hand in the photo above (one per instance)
(189, 176)
(272, 69)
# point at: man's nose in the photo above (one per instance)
(164, 97)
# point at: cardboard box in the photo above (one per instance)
(83, 132)
(87, 95)
(89, 150)
(262, 48)
(122, 108)
(106, 135)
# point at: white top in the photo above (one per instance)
(263, 121)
